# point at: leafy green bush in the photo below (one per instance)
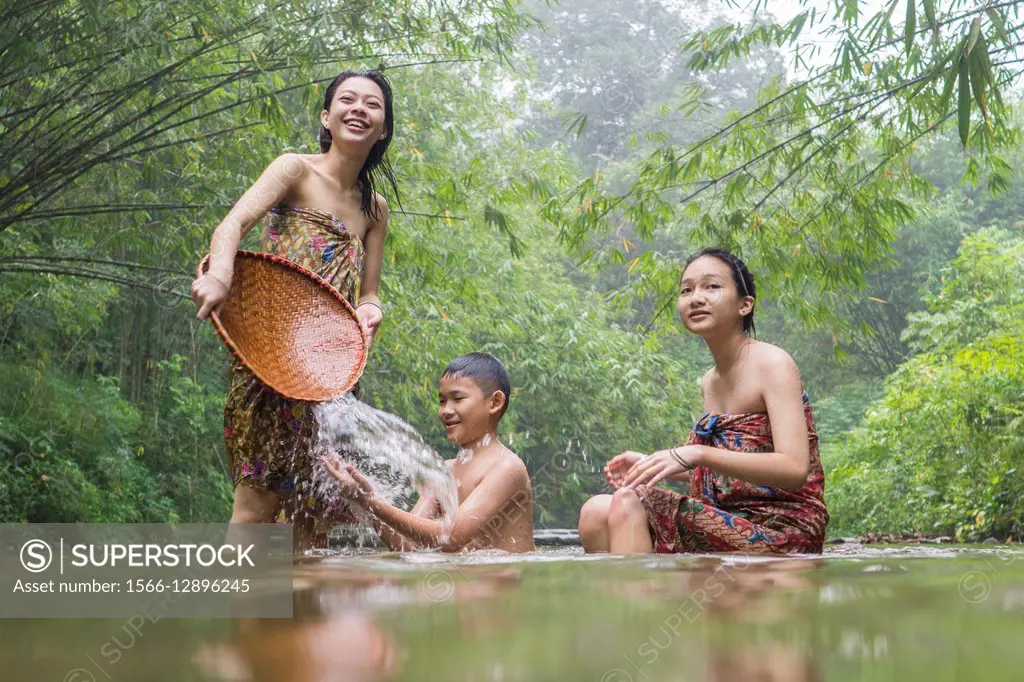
(943, 450)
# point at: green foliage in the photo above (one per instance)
(67, 452)
(942, 451)
(837, 414)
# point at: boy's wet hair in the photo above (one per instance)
(741, 277)
(485, 370)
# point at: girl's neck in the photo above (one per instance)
(727, 349)
(343, 167)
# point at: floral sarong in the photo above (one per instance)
(724, 514)
(268, 437)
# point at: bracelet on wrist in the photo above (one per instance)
(374, 304)
(217, 279)
(679, 458)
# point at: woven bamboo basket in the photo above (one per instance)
(290, 328)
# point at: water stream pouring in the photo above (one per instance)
(385, 449)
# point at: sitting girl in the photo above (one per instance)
(751, 462)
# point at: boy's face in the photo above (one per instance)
(465, 411)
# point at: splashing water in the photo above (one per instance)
(386, 450)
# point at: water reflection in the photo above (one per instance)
(761, 664)
(737, 588)
(424, 616)
(334, 634)
(348, 647)
(478, 609)
(715, 619)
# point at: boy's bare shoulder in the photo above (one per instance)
(514, 461)
(513, 468)
(507, 465)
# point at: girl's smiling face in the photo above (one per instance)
(356, 113)
(708, 299)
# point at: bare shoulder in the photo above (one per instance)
(291, 165)
(773, 362)
(381, 209)
(705, 381)
(513, 468)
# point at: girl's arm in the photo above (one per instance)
(269, 190)
(789, 465)
(786, 468)
(368, 309)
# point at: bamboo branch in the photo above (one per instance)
(87, 274)
(95, 261)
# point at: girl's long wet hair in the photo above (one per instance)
(376, 168)
(741, 277)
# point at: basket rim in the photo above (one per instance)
(218, 326)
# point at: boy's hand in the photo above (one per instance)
(615, 470)
(352, 483)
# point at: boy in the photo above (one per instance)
(495, 499)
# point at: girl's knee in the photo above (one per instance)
(594, 512)
(625, 507)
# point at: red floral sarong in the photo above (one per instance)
(724, 514)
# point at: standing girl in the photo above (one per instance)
(325, 215)
(751, 462)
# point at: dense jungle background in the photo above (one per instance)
(556, 163)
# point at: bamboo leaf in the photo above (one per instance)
(973, 36)
(577, 124)
(986, 64)
(1000, 25)
(964, 107)
(884, 25)
(929, 15)
(850, 11)
(947, 91)
(798, 25)
(978, 82)
(910, 27)
(986, 70)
